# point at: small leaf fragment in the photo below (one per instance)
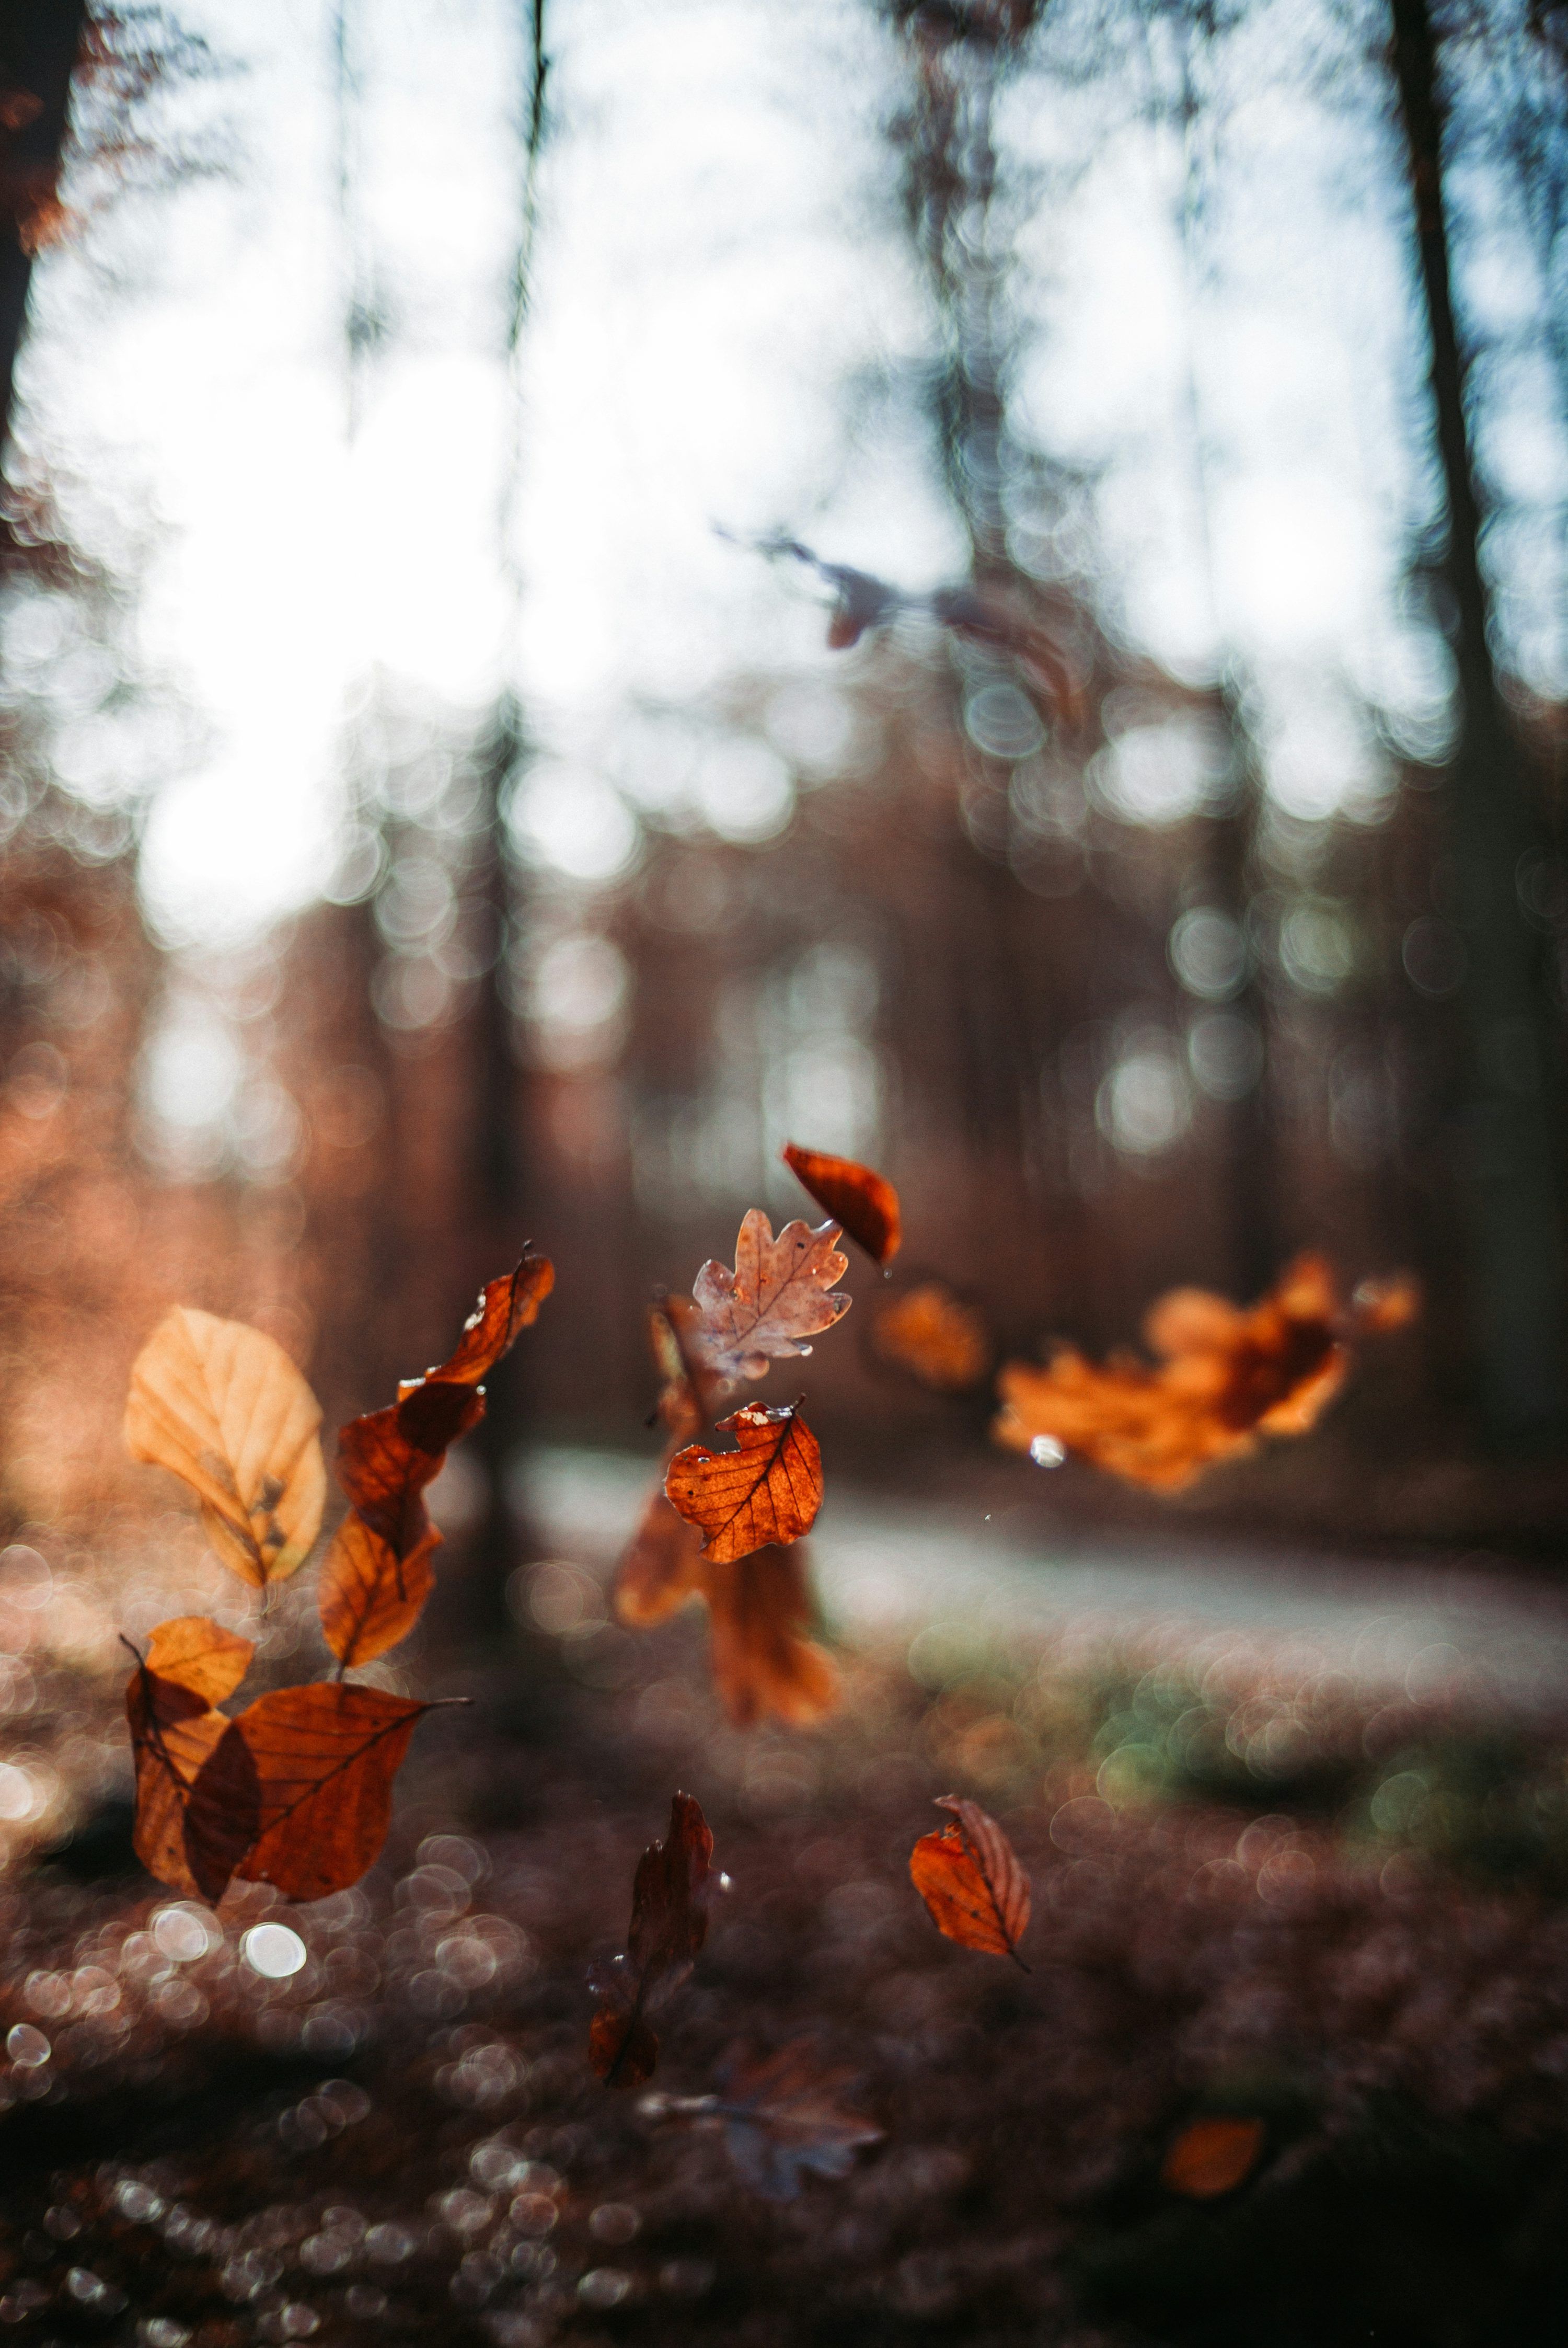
(767, 1489)
(863, 1200)
(1211, 2156)
(968, 1876)
(222, 1406)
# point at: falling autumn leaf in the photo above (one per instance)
(864, 1202)
(322, 1758)
(1225, 1376)
(670, 1896)
(764, 1664)
(781, 2117)
(776, 1298)
(370, 1595)
(968, 1876)
(929, 1334)
(223, 1406)
(768, 1489)
(506, 1307)
(687, 1393)
(387, 1459)
(1212, 2157)
(660, 1568)
(191, 1665)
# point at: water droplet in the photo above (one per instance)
(1046, 1452)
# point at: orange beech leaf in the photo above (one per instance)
(780, 2116)
(1212, 2157)
(938, 1340)
(191, 1665)
(670, 1896)
(370, 1596)
(864, 1202)
(223, 1406)
(660, 1568)
(776, 1297)
(762, 1662)
(1227, 1376)
(506, 1306)
(323, 1759)
(768, 1489)
(968, 1876)
(387, 1459)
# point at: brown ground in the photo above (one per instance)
(1227, 1933)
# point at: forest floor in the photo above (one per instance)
(1298, 1838)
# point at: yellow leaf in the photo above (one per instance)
(225, 1409)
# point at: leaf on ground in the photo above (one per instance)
(776, 1298)
(864, 1201)
(930, 1334)
(323, 1759)
(968, 1874)
(670, 1896)
(506, 1307)
(1212, 2157)
(370, 1596)
(768, 1489)
(191, 1665)
(1225, 1376)
(660, 1568)
(223, 1408)
(763, 1661)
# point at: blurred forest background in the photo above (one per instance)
(440, 808)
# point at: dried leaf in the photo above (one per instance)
(323, 1759)
(968, 1876)
(768, 1489)
(1212, 2157)
(660, 1568)
(387, 1459)
(670, 1896)
(687, 1393)
(775, 1297)
(506, 1306)
(762, 1662)
(1227, 1378)
(782, 2116)
(929, 1334)
(370, 1596)
(864, 1202)
(191, 1665)
(224, 1407)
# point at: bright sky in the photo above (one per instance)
(728, 328)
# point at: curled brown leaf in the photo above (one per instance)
(863, 1200)
(670, 1896)
(968, 1876)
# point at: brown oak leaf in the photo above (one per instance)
(224, 1408)
(1225, 1376)
(968, 1874)
(864, 1201)
(776, 1298)
(670, 1896)
(767, 1489)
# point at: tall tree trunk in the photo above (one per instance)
(38, 44)
(1508, 1132)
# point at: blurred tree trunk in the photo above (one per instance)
(38, 44)
(1509, 1139)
